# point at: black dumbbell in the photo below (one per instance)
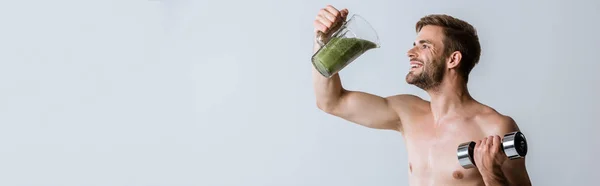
(514, 145)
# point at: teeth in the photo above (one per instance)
(414, 65)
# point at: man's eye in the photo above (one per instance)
(424, 46)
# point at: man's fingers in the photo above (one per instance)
(490, 141)
(326, 22)
(335, 12)
(328, 17)
(484, 142)
(326, 14)
(319, 26)
(344, 13)
(497, 142)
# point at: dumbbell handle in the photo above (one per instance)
(514, 146)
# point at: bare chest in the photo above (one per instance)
(432, 152)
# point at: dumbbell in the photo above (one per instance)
(514, 145)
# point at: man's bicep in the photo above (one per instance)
(516, 169)
(371, 110)
(516, 172)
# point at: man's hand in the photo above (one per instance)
(327, 20)
(489, 158)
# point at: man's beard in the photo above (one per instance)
(430, 77)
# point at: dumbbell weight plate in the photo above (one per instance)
(514, 145)
(465, 152)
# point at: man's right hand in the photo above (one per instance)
(328, 19)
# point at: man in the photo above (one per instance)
(444, 52)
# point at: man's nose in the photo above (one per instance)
(411, 53)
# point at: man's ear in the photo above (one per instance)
(454, 59)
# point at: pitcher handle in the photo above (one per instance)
(320, 38)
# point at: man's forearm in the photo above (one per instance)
(327, 90)
(495, 178)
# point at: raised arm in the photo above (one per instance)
(359, 107)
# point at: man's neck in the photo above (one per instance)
(449, 99)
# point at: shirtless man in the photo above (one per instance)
(444, 52)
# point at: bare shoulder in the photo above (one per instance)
(407, 103)
(494, 123)
(409, 108)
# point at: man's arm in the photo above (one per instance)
(359, 107)
(515, 171)
(511, 172)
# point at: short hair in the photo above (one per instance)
(458, 36)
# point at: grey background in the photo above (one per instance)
(207, 93)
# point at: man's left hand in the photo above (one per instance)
(489, 156)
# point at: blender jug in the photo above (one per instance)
(353, 38)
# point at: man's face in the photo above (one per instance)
(427, 62)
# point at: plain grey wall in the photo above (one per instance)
(208, 93)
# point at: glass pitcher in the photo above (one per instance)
(353, 38)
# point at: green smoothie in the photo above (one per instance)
(338, 53)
